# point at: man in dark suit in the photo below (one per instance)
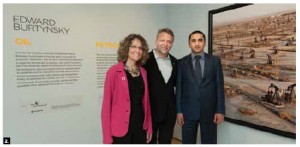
(199, 93)
(161, 72)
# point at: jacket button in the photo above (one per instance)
(127, 111)
(126, 122)
(127, 100)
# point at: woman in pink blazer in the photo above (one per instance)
(126, 115)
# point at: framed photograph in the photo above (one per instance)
(257, 47)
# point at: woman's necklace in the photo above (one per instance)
(133, 71)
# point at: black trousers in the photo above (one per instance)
(136, 134)
(132, 137)
(163, 131)
(208, 132)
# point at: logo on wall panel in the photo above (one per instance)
(37, 106)
(51, 103)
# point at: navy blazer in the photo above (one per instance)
(200, 101)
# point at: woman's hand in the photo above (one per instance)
(149, 137)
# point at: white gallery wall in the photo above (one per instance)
(53, 79)
(62, 105)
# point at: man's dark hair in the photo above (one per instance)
(197, 32)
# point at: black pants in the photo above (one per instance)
(208, 132)
(131, 138)
(136, 134)
(163, 131)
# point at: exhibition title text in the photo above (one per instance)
(31, 24)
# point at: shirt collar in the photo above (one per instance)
(202, 55)
(157, 56)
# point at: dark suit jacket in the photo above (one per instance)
(162, 97)
(200, 101)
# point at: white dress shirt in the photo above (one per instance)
(164, 65)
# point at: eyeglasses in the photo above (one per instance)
(136, 47)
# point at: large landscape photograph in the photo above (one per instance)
(257, 47)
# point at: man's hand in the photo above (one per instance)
(180, 119)
(219, 118)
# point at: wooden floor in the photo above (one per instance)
(176, 141)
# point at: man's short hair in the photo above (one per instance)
(197, 32)
(165, 30)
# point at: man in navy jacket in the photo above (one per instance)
(199, 92)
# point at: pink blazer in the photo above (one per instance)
(116, 104)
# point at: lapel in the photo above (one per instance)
(146, 93)
(143, 73)
(207, 66)
(190, 67)
(122, 77)
(153, 61)
(173, 62)
(155, 66)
